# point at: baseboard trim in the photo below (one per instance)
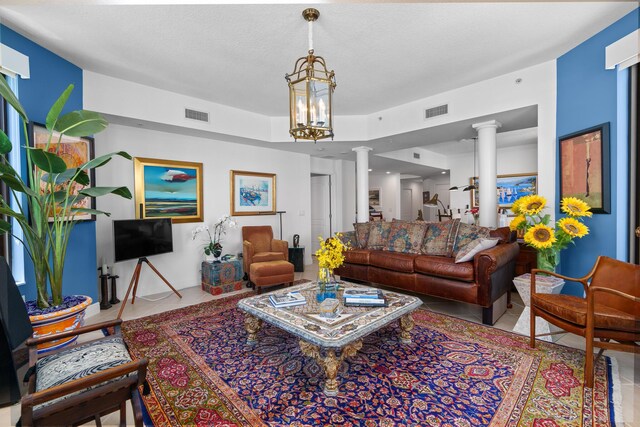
(92, 310)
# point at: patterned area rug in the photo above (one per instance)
(454, 373)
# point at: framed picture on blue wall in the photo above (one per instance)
(585, 167)
(75, 151)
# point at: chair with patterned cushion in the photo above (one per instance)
(259, 246)
(609, 312)
(70, 386)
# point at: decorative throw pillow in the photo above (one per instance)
(362, 234)
(438, 238)
(348, 238)
(468, 251)
(378, 235)
(467, 233)
(406, 237)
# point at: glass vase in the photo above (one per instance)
(326, 284)
(547, 260)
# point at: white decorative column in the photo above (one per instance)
(487, 172)
(362, 179)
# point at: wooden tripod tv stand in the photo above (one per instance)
(134, 283)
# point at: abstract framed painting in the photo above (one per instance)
(253, 193)
(75, 151)
(509, 188)
(168, 189)
(585, 167)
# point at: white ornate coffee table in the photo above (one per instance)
(328, 340)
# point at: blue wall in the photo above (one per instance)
(588, 95)
(50, 75)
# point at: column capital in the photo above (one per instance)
(488, 124)
(362, 149)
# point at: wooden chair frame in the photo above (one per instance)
(588, 331)
(90, 404)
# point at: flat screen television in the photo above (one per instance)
(138, 238)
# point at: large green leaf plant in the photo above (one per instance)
(45, 208)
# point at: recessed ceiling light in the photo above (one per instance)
(443, 172)
(388, 172)
(370, 170)
(320, 149)
(344, 152)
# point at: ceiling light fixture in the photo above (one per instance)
(388, 172)
(370, 170)
(311, 87)
(472, 186)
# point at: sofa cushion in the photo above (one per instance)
(357, 256)
(439, 238)
(378, 234)
(504, 234)
(444, 267)
(470, 250)
(348, 238)
(362, 234)
(406, 237)
(395, 261)
(467, 233)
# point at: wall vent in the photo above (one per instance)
(416, 155)
(201, 116)
(436, 111)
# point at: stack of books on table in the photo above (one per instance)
(363, 297)
(287, 300)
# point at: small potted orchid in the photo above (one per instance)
(213, 247)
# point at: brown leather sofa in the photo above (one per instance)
(481, 281)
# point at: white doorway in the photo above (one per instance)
(406, 204)
(320, 209)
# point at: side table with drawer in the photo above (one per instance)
(223, 276)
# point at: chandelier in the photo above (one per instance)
(310, 88)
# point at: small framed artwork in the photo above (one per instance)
(75, 151)
(253, 193)
(374, 198)
(168, 189)
(426, 196)
(509, 188)
(584, 167)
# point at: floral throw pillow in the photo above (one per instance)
(438, 238)
(467, 233)
(362, 234)
(378, 234)
(406, 237)
(467, 252)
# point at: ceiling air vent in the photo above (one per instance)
(436, 111)
(416, 155)
(201, 116)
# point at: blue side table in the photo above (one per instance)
(221, 277)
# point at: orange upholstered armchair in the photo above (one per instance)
(610, 311)
(259, 246)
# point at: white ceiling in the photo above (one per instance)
(384, 54)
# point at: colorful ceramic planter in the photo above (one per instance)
(59, 321)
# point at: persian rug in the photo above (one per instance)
(454, 373)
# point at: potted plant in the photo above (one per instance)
(45, 206)
(213, 247)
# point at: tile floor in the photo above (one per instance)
(629, 367)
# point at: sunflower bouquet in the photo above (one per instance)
(539, 234)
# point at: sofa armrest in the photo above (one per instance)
(247, 255)
(281, 246)
(494, 270)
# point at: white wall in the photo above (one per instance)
(511, 160)
(343, 196)
(182, 267)
(390, 192)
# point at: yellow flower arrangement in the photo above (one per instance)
(539, 234)
(330, 255)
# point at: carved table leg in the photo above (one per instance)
(252, 325)
(406, 325)
(330, 363)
